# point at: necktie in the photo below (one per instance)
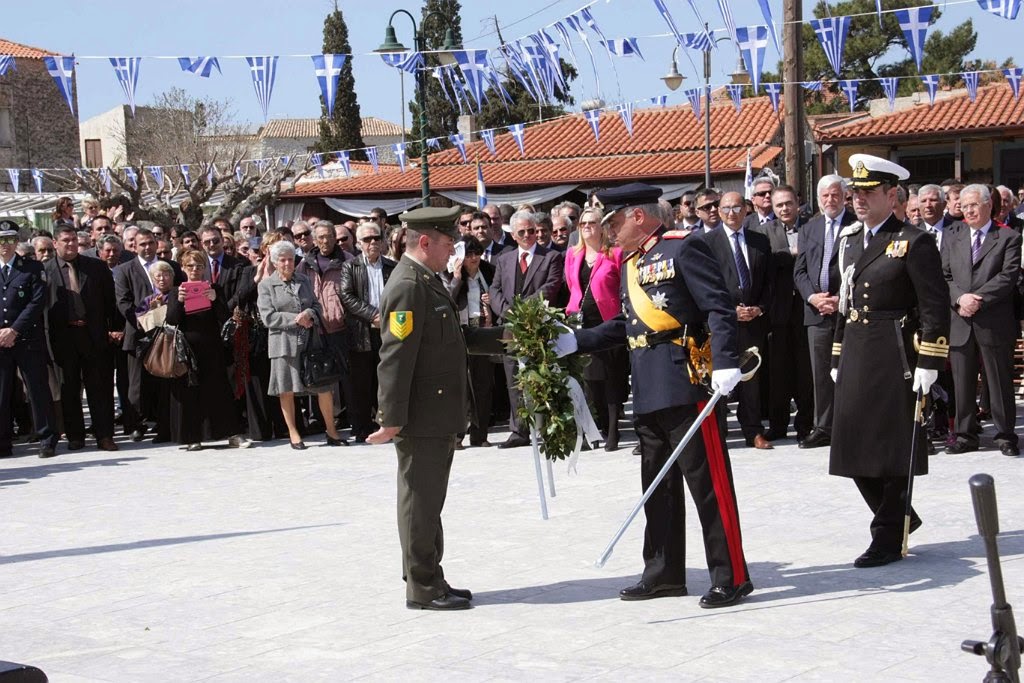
(741, 265)
(215, 273)
(72, 278)
(522, 262)
(867, 238)
(976, 248)
(7, 271)
(826, 256)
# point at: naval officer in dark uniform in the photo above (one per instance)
(22, 343)
(673, 295)
(422, 398)
(891, 287)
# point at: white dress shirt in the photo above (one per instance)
(529, 255)
(374, 280)
(742, 239)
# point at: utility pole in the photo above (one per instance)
(792, 74)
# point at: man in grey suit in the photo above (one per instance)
(982, 263)
(816, 277)
(528, 270)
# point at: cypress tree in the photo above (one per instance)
(341, 128)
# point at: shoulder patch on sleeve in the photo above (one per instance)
(400, 324)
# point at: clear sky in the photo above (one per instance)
(277, 27)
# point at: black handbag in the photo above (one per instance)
(321, 364)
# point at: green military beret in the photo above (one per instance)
(430, 218)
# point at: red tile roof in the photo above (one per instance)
(16, 50)
(371, 126)
(995, 110)
(666, 143)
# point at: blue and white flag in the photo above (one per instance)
(1013, 77)
(406, 61)
(588, 17)
(663, 10)
(6, 63)
(200, 66)
(105, 178)
(519, 70)
(433, 143)
(132, 177)
(752, 42)
(459, 140)
(14, 174)
(660, 100)
(577, 25)
(849, 88)
(239, 173)
(518, 131)
(537, 59)
(494, 77)
(158, 175)
(481, 188)
(766, 12)
(832, 32)
(285, 161)
(62, 70)
(736, 93)
(264, 71)
(811, 86)
(371, 154)
(701, 22)
(890, 85)
(473, 64)
(626, 114)
(488, 137)
(593, 118)
(730, 23)
(185, 175)
(127, 71)
(564, 33)
(211, 172)
(345, 161)
(914, 23)
(79, 173)
(931, 83)
(1007, 9)
(748, 179)
(261, 165)
(327, 68)
(623, 47)
(544, 40)
(317, 160)
(971, 81)
(37, 177)
(773, 90)
(878, 11)
(400, 155)
(693, 95)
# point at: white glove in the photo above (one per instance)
(834, 374)
(924, 379)
(565, 343)
(725, 380)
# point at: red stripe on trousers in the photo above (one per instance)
(723, 494)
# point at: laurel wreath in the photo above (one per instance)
(542, 375)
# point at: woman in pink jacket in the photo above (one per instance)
(592, 274)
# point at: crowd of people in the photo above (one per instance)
(105, 288)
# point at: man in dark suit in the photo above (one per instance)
(528, 270)
(789, 361)
(745, 257)
(23, 344)
(131, 287)
(761, 198)
(480, 228)
(816, 277)
(981, 264)
(222, 269)
(81, 318)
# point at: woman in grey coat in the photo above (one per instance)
(288, 308)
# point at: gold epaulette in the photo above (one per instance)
(938, 348)
(837, 348)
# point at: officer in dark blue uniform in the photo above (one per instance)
(674, 295)
(22, 343)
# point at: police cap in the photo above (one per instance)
(871, 171)
(8, 228)
(431, 218)
(633, 194)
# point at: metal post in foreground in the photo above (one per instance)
(540, 475)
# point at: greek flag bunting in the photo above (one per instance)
(488, 137)
(104, 174)
(693, 95)
(239, 173)
(327, 68)
(371, 154)
(78, 173)
(519, 70)
(37, 177)
(623, 47)
(317, 160)
(264, 71)
(518, 131)
(473, 64)
(971, 81)
(127, 71)
(406, 61)
(577, 24)
(730, 23)
(285, 161)
(773, 90)
(626, 114)
(890, 85)
(663, 10)
(346, 163)
(62, 70)
(14, 174)
(433, 143)
(736, 93)
(1013, 77)
(931, 83)
(459, 140)
(540, 65)
(544, 40)
(481, 188)
(564, 33)
(593, 118)
(849, 88)
(748, 179)
(132, 177)
(752, 42)
(6, 62)
(660, 100)
(701, 22)
(832, 32)
(878, 11)
(185, 175)
(811, 86)
(400, 156)
(588, 17)
(766, 12)
(261, 165)
(914, 22)
(200, 66)
(210, 173)
(1007, 9)
(493, 76)
(158, 175)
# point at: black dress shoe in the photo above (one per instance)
(816, 439)
(138, 434)
(460, 593)
(876, 558)
(959, 447)
(722, 596)
(514, 441)
(300, 446)
(1009, 449)
(645, 591)
(448, 601)
(75, 444)
(336, 442)
(48, 451)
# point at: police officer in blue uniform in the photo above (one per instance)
(22, 342)
(674, 295)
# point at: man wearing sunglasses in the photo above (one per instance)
(707, 209)
(762, 200)
(223, 269)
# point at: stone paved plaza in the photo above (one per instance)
(155, 564)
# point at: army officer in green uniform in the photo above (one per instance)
(422, 398)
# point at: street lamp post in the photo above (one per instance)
(391, 44)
